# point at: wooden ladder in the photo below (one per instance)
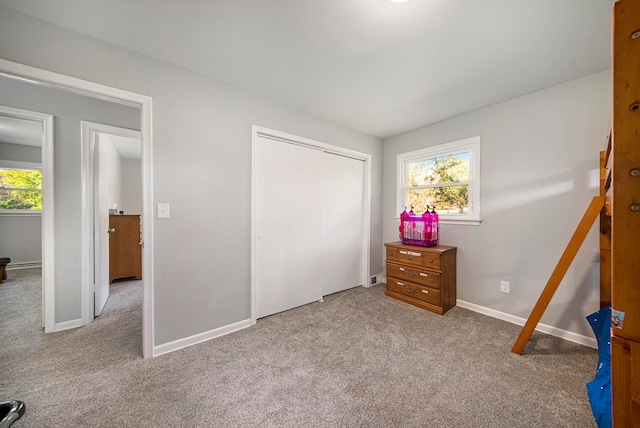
(594, 209)
(599, 206)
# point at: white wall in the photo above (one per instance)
(202, 166)
(110, 171)
(123, 178)
(539, 166)
(131, 182)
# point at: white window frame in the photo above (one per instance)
(10, 164)
(472, 145)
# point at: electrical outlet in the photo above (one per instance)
(164, 211)
(505, 287)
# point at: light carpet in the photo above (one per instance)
(359, 359)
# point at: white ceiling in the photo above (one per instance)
(128, 148)
(376, 66)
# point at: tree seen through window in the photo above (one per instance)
(20, 189)
(442, 182)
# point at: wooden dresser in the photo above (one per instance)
(125, 252)
(422, 276)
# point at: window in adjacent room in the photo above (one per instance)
(20, 187)
(446, 177)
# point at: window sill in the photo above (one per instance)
(461, 222)
(20, 213)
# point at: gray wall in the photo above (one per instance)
(20, 152)
(68, 110)
(21, 238)
(123, 178)
(131, 180)
(202, 166)
(110, 174)
(539, 172)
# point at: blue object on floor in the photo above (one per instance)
(10, 411)
(599, 389)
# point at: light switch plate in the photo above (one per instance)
(164, 211)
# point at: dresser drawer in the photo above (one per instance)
(406, 256)
(414, 274)
(414, 257)
(392, 253)
(415, 291)
(431, 260)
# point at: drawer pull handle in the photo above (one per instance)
(423, 274)
(425, 291)
(410, 290)
(409, 274)
(411, 253)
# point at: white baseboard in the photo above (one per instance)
(199, 338)
(24, 265)
(543, 328)
(67, 325)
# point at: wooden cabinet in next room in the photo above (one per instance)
(422, 276)
(125, 251)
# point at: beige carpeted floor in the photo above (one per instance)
(358, 359)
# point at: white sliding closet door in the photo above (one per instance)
(288, 226)
(308, 225)
(343, 193)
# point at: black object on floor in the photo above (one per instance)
(10, 411)
(4, 261)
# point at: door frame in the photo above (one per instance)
(260, 131)
(89, 141)
(47, 252)
(144, 103)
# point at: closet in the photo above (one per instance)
(308, 227)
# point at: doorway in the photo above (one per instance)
(114, 188)
(39, 136)
(92, 90)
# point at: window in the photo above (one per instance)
(446, 177)
(20, 187)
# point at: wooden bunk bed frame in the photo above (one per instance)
(618, 206)
(624, 195)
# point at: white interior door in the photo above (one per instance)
(288, 226)
(342, 206)
(101, 225)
